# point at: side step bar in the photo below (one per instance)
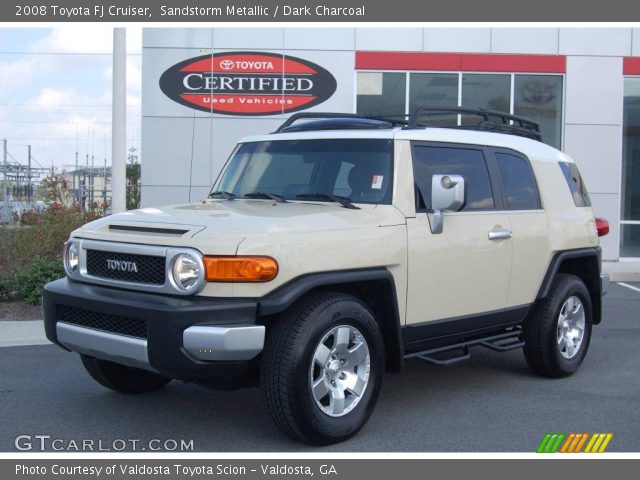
(501, 342)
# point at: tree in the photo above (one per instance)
(133, 180)
(55, 189)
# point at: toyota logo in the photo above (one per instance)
(538, 93)
(226, 64)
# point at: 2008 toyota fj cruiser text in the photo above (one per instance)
(333, 249)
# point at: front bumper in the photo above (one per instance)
(210, 340)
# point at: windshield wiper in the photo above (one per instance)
(225, 195)
(272, 196)
(343, 201)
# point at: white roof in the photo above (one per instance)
(531, 148)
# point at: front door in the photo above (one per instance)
(461, 274)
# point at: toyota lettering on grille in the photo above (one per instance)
(122, 265)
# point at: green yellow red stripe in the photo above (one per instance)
(574, 442)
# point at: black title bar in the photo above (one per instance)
(319, 11)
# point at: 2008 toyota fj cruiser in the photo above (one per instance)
(333, 249)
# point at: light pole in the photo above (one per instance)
(118, 122)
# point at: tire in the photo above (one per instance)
(298, 344)
(547, 349)
(123, 379)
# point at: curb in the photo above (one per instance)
(622, 271)
(22, 333)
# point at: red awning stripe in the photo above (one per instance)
(631, 66)
(465, 62)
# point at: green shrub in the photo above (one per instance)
(31, 247)
(30, 282)
(6, 287)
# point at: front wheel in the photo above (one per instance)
(322, 368)
(558, 331)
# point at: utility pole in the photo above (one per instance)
(119, 123)
(5, 216)
(29, 191)
(75, 172)
(104, 174)
(91, 175)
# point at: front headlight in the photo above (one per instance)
(71, 258)
(186, 272)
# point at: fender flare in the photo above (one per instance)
(286, 295)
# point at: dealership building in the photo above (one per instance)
(205, 88)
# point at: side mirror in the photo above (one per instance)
(447, 195)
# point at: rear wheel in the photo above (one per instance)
(322, 368)
(121, 378)
(558, 331)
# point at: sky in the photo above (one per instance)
(55, 93)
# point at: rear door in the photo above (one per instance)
(528, 223)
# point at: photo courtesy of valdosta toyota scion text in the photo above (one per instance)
(316, 238)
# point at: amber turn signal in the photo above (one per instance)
(240, 269)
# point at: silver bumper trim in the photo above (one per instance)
(224, 342)
(120, 349)
(604, 283)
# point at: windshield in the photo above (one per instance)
(357, 169)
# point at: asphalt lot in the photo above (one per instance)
(491, 403)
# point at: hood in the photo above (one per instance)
(230, 221)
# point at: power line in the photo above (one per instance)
(63, 105)
(38, 139)
(15, 52)
(35, 160)
(46, 122)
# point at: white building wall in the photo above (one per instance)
(460, 40)
(593, 134)
(184, 149)
(525, 40)
(635, 42)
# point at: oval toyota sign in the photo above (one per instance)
(247, 83)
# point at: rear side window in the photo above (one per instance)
(470, 163)
(576, 184)
(521, 192)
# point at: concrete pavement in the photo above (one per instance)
(492, 403)
(14, 333)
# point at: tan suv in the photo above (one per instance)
(336, 248)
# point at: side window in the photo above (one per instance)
(519, 184)
(576, 184)
(468, 162)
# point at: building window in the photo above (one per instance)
(436, 89)
(630, 222)
(381, 93)
(487, 91)
(538, 97)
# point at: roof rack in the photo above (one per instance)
(340, 121)
(490, 120)
(422, 117)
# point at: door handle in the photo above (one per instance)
(500, 234)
